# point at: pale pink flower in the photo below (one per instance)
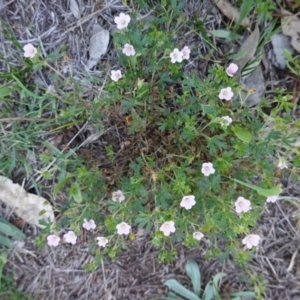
(251, 240)
(88, 225)
(231, 69)
(242, 205)
(226, 94)
(123, 228)
(122, 20)
(53, 240)
(185, 52)
(167, 228)
(188, 202)
(273, 198)
(102, 241)
(70, 237)
(29, 51)
(226, 121)
(128, 50)
(176, 56)
(116, 75)
(207, 169)
(282, 164)
(118, 196)
(198, 235)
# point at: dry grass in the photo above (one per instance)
(57, 274)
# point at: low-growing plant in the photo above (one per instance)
(188, 161)
(8, 233)
(210, 292)
(293, 63)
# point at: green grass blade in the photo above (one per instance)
(61, 184)
(245, 9)
(25, 90)
(225, 34)
(276, 190)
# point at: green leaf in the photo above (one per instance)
(216, 143)
(10, 230)
(180, 289)
(288, 55)
(5, 241)
(110, 223)
(3, 260)
(224, 34)
(173, 296)
(193, 272)
(60, 185)
(200, 26)
(4, 91)
(242, 133)
(245, 9)
(243, 294)
(209, 291)
(274, 191)
(75, 192)
(217, 278)
(78, 196)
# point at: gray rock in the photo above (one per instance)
(280, 42)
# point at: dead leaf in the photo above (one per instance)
(19, 223)
(140, 232)
(291, 27)
(75, 10)
(252, 76)
(255, 85)
(27, 206)
(248, 49)
(231, 12)
(98, 45)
